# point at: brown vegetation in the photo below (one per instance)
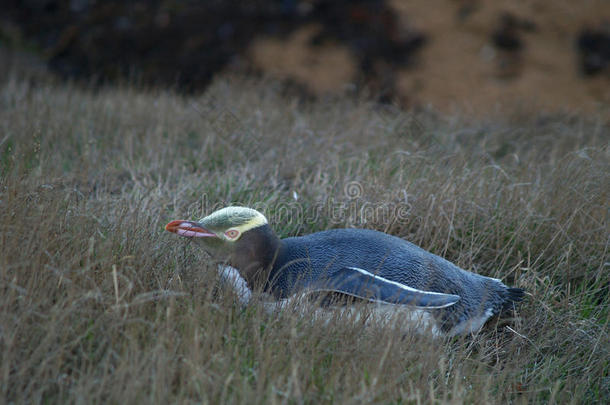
(99, 304)
(469, 56)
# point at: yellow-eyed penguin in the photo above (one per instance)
(361, 263)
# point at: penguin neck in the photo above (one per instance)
(255, 254)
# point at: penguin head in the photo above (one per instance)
(239, 235)
(223, 227)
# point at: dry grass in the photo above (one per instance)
(99, 304)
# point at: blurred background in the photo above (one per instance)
(467, 56)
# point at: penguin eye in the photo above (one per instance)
(232, 233)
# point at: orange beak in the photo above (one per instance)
(188, 229)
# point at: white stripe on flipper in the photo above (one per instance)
(406, 287)
(380, 302)
(231, 275)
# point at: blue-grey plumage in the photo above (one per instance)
(304, 260)
(362, 263)
(361, 284)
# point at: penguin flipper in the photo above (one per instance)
(362, 284)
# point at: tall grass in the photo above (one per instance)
(99, 304)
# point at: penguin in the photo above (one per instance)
(362, 264)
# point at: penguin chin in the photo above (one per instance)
(216, 248)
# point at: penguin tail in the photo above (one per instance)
(512, 297)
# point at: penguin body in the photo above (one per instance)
(304, 261)
(365, 264)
